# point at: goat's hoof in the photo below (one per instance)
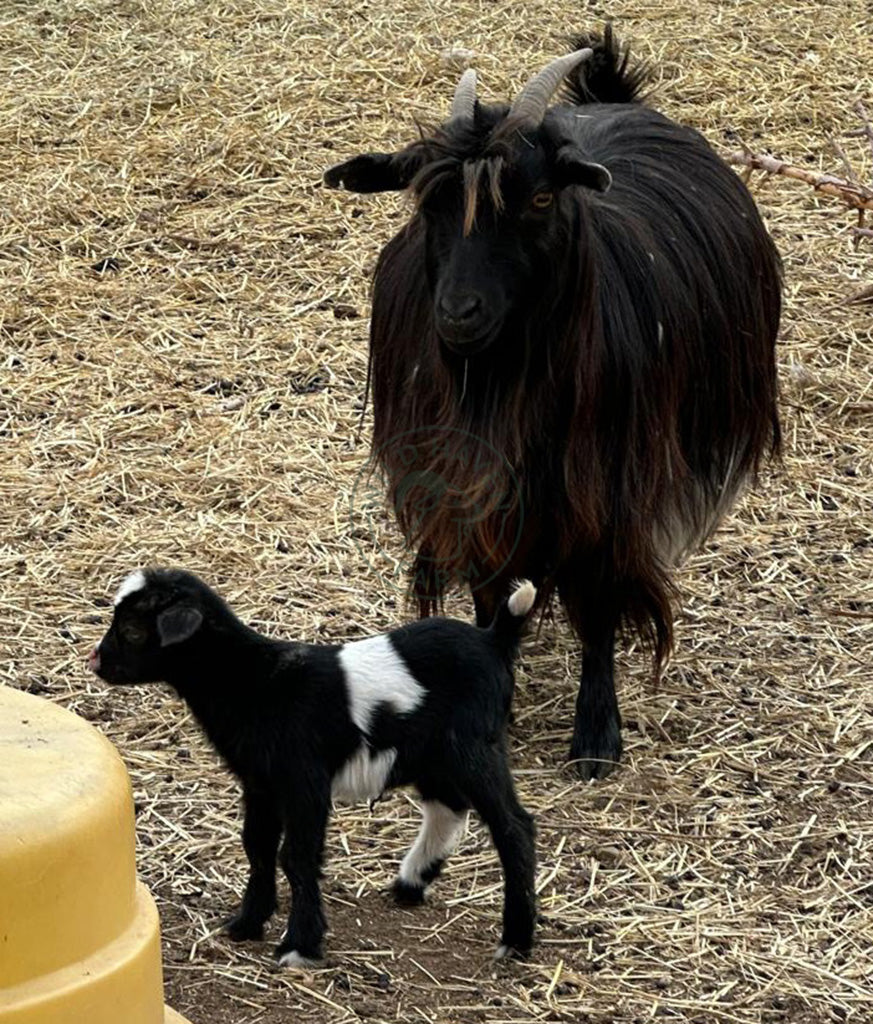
(239, 929)
(595, 756)
(406, 894)
(589, 768)
(292, 958)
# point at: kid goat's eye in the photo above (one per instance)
(133, 633)
(542, 200)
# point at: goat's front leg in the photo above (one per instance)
(300, 856)
(262, 830)
(485, 601)
(596, 746)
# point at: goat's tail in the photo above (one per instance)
(511, 616)
(607, 76)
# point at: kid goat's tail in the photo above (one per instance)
(511, 615)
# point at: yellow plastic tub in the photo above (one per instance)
(79, 935)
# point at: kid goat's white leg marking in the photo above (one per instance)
(134, 582)
(376, 674)
(441, 828)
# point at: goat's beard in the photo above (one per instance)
(457, 491)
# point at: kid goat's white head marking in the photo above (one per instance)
(376, 674)
(130, 585)
(134, 582)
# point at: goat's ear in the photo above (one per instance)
(572, 168)
(372, 172)
(177, 623)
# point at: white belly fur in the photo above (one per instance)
(362, 778)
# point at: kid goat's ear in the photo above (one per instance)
(177, 623)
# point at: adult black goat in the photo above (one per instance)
(584, 308)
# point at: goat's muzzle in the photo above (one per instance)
(463, 322)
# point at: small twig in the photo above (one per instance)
(859, 229)
(867, 131)
(202, 243)
(863, 232)
(868, 124)
(864, 295)
(847, 613)
(852, 194)
(847, 166)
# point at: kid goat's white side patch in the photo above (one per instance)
(376, 674)
(134, 582)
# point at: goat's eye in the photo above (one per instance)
(134, 633)
(542, 200)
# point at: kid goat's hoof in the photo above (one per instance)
(406, 894)
(238, 929)
(506, 952)
(294, 959)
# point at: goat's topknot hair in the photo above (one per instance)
(608, 75)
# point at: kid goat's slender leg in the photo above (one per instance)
(492, 794)
(262, 829)
(300, 856)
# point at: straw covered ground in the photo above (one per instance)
(183, 332)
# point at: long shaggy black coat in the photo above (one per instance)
(631, 390)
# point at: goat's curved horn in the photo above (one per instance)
(465, 95)
(532, 102)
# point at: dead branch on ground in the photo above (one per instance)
(853, 194)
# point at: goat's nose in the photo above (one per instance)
(460, 307)
(94, 659)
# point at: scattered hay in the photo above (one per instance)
(183, 331)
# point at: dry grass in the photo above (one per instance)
(195, 403)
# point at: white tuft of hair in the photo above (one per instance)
(522, 598)
(131, 584)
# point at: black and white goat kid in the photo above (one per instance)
(298, 724)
